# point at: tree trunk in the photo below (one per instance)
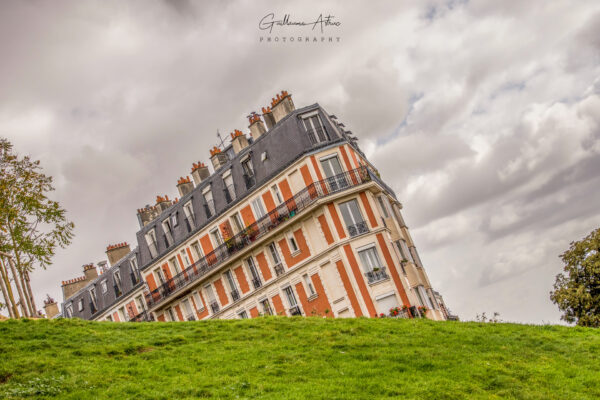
(19, 289)
(11, 298)
(30, 293)
(25, 293)
(7, 301)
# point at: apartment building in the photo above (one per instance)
(293, 220)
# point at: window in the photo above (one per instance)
(369, 259)
(423, 297)
(69, 310)
(229, 188)
(159, 275)
(336, 179)
(249, 179)
(122, 314)
(198, 301)
(104, 286)
(135, 275)
(215, 234)
(166, 224)
(258, 208)
(118, 287)
(80, 305)
(277, 265)
(291, 298)
(190, 218)
(277, 194)
(152, 246)
(139, 303)
(353, 218)
(235, 294)
(187, 308)
(210, 295)
(309, 285)
(93, 304)
(315, 129)
(236, 222)
(197, 251)
(404, 252)
(185, 258)
(243, 314)
(383, 204)
(416, 290)
(109, 318)
(209, 207)
(175, 268)
(415, 256)
(256, 282)
(174, 219)
(292, 241)
(266, 307)
(171, 314)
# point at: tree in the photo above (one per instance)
(31, 225)
(577, 288)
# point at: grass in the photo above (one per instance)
(297, 358)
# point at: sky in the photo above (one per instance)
(483, 116)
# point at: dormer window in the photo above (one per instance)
(135, 277)
(93, 304)
(118, 286)
(209, 205)
(314, 128)
(168, 231)
(152, 245)
(229, 188)
(248, 172)
(190, 220)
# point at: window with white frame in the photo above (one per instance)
(198, 301)
(235, 294)
(168, 232)
(174, 219)
(117, 281)
(229, 187)
(236, 222)
(69, 310)
(171, 314)
(256, 282)
(293, 303)
(247, 166)
(139, 303)
(197, 251)
(353, 218)
(404, 250)
(277, 194)
(372, 267)
(274, 253)
(175, 268)
(187, 308)
(415, 256)
(186, 259)
(104, 286)
(109, 318)
(152, 244)
(209, 205)
(215, 234)
(292, 241)
(122, 314)
(243, 314)
(309, 285)
(93, 299)
(266, 307)
(159, 276)
(210, 296)
(383, 204)
(258, 208)
(190, 218)
(314, 128)
(134, 273)
(80, 305)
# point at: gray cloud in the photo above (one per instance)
(484, 116)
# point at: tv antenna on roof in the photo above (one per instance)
(221, 141)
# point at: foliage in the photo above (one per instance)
(495, 318)
(300, 358)
(31, 225)
(577, 288)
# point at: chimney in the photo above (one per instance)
(162, 203)
(50, 307)
(90, 272)
(199, 172)
(282, 105)
(238, 141)
(184, 185)
(116, 252)
(217, 157)
(257, 127)
(268, 116)
(147, 214)
(102, 266)
(72, 286)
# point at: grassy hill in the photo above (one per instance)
(297, 358)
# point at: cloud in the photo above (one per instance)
(484, 116)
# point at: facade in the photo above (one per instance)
(293, 221)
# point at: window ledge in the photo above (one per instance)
(379, 281)
(295, 253)
(313, 296)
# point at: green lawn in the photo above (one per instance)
(297, 358)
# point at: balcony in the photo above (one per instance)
(214, 306)
(358, 229)
(236, 244)
(235, 295)
(279, 269)
(378, 275)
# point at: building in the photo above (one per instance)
(293, 220)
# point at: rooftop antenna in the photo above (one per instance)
(221, 141)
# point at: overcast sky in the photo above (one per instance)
(484, 116)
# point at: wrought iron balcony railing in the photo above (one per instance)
(143, 316)
(235, 295)
(258, 229)
(214, 306)
(295, 311)
(190, 317)
(279, 269)
(377, 275)
(358, 229)
(256, 283)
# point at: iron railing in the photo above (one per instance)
(143, 316)
(256, 283)
(279, 269)
(255, 231)
(358, 229)
(295, 311)
(214, 306)
(377, 275)
(235, 295)
(190, 317)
